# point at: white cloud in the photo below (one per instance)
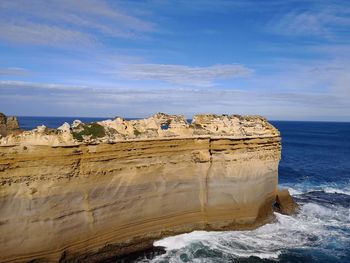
(301, 24)
(13, 71)
(43, 34)
(183, 75)
(302, 75)
(323, 20)
(66, 22)
(68, 100)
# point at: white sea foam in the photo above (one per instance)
(313, 226)
(293, 191)
(298, 189)
(345, 190)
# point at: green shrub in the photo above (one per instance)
(136, 132)
(92, 129)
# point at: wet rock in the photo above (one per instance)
(285, 203)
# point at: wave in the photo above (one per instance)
(302, 188)
(327, 228)
(332, 190)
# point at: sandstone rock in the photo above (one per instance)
(12, 123)
(2, 118)
(285, 203)
(65, 127)
(107, 190)
(41, 129)
(8, 125)
(160, 125)
(3, 127)
(76, 123)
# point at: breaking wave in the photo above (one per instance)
(322, 228)
(302, 188)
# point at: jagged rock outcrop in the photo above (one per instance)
(8, 125)
(285, 204)
(90, 191)
(159, 126)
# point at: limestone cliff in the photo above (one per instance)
(100, 189)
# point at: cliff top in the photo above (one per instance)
(159, 126)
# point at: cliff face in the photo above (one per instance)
(83, 190)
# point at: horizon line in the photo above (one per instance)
(109, 117)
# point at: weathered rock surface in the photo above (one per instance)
(285, 203)
(8, 125)
(90, 191)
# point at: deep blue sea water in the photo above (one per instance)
(315, 166)
(28, 123)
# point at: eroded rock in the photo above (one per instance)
(159, 126)
(8, 125)
(285, 203)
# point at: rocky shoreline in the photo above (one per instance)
(89, 192)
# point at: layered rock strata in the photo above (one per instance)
(86, 192)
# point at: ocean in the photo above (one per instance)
(315, 167)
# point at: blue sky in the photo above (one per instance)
(287, 60)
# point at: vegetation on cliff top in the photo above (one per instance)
(94, 130)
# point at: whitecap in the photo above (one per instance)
(331, 190)
(301, 188)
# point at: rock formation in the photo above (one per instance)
(92, 191)
(285, 203)
(8, 125)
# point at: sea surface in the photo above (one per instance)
(315, 167)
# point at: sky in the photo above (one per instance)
(285, 60)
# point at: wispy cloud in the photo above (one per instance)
(323, 20)
(183, 75)
(299, 71)
(94, 101)
(67, 22)
(43, 35)
(327, 78)
(13, 71)
(34, 85)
